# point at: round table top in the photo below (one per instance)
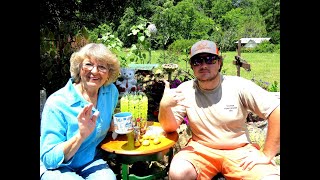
(120, 144)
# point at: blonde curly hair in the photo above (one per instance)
(99, 52)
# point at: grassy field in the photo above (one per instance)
(264, 66)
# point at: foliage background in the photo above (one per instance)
(67, 25)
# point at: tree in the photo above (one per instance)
(270, 10)
(64, 25)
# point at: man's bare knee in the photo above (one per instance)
(182, 170)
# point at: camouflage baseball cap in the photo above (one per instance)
(204, 46)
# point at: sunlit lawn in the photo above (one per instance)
(264, 66)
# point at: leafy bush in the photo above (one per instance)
(55, 52)
(275, 37)
(182, 45)
(274, 87)
(263, 47)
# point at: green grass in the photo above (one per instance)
(264, 66)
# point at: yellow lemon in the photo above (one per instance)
(146, 142)
(156, 140)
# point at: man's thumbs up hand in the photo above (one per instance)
(171, 97)
(166, 85)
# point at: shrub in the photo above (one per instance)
(274, 87)
(263, 47)
(182, 45)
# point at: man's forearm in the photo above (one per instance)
(272, 143)
(167, 119)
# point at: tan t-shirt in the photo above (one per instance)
(217, 118)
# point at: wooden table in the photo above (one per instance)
(126, 155)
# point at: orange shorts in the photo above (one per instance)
(208, 162)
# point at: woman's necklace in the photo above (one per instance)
(86, 96)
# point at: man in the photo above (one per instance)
(217, 106)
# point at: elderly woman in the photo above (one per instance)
(76, 118)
